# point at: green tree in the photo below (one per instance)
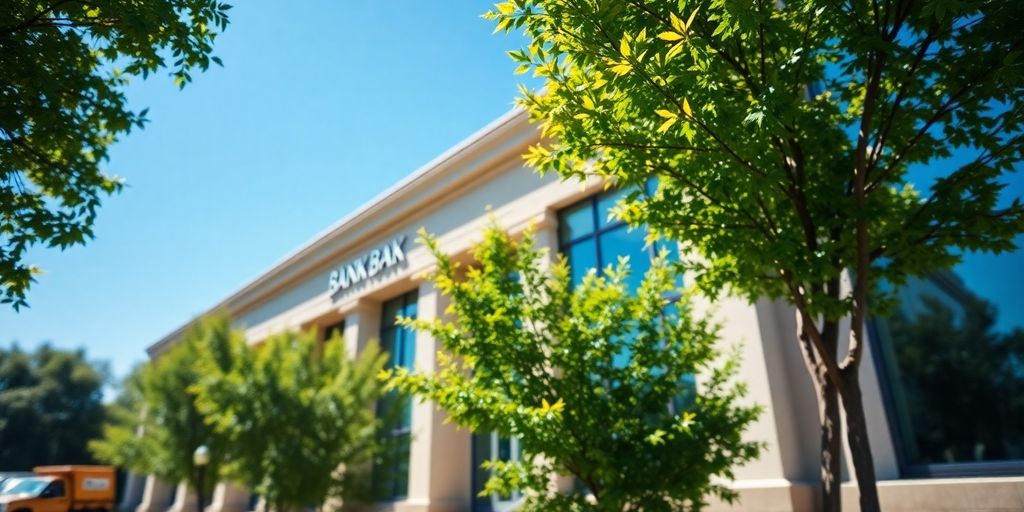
(298, 416)
(595, 380)
(167, 425)
(50, 407)
(119, 442)
(64, 67)
(781, 134)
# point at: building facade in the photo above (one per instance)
(362, 272)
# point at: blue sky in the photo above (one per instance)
(320, 105)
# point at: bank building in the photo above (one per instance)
(931, 450)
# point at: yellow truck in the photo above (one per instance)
(61, 489)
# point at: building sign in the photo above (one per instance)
(367, 265)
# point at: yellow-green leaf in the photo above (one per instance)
(669, 36)
(624, 47)
(688, 418)
(677, 23)
(689, 21)
(502, 25)
(674, 51)
(506, 8)
(667, 114)
(686, 108)
(622, 69)
(588, 103)
(523, 68)
(667, 124)
(558, 406)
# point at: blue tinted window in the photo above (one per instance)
(492, 447)
(607, 201)
(582, 257)
(576, 221)
(624, 242)
(391, 468)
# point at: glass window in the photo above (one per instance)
(55, 489)
(629, 243)
(607, 201)
(254, 502)
(575, 222)
(597, 248)
(604, 246)
(951, 360)
(27, 486)
(391, 469)
(333, 330)
(582, 257)
(487, 447)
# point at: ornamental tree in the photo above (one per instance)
(64, 67)
(297, 415)
(595, 381)
(782, 134)
(166, 426)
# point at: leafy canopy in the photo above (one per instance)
(160, 436)
(64, 68)
(776, 126)
(784, 134)
(596, 380)
(51, 404)
(297, 414)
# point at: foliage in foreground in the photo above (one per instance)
(51, 404)
(595, 381)
(783, 134)
(65, 66)
(297, 415)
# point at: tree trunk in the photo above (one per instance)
(830, 422)
(857, 437)
(831, 445)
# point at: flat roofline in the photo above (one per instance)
(516, 114)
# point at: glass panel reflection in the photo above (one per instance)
(576, 221)
(624, 242)
(954, 358)
(582, 257)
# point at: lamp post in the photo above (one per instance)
(200, 458)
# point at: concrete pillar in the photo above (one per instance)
(154, 495)
(362, 324)
(440, 472)
(228, 498)
(134, 485)
(546, 237)
(185, 499)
